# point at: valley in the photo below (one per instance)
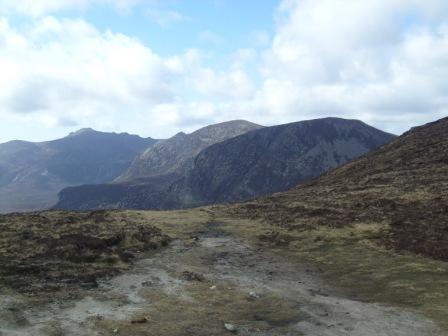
(223, 168)
(360, 250)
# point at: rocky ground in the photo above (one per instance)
(215, 276)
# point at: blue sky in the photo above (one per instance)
(233, 23)
(157, 67)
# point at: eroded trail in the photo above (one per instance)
(200, 285)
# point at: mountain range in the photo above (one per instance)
(32, 174)
(174, 156)
(229, 162)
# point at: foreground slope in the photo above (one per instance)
(403, 185)
(32, 174)
(194, 272)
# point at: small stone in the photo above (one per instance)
(115, 331)
(147, 283)
(140, 321)
(192, 276)
(230, 327)
(253, 295)
(213, 287)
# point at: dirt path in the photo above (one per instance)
(195, 287)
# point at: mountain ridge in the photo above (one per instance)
(242, 153)
(31, 174)
(172, 155)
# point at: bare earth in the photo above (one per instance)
(202, 281)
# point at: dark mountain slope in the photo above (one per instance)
(32, 174)
(274, 159)
(151, 173)
(402, 186)
(175, 155)
(252, 164)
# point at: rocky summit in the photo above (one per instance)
(175, 155)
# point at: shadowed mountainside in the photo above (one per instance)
(273, 159)
(151, 173)
(174, 156)
(249, 165)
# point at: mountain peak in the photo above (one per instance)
(173, 155)
(83, 131)
(228, 125)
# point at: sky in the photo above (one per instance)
(157, 67)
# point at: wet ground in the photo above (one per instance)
(210, 284)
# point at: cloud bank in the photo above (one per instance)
(385, 62)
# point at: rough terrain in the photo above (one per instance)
(217, 276)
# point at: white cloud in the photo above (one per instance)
(61, 70)
(37, 8)
(382, 61)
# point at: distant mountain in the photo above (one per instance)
(273, 159)
(255, 163)
(32, 174)
(152, 173)
(175, 155)
(401, 187)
